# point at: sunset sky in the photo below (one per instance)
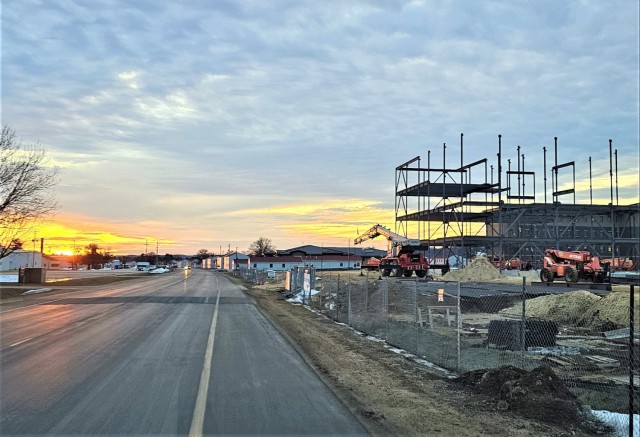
(208, 124)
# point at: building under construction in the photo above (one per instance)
(466, 208)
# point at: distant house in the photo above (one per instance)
(60, 261)
(215, 262)
(232, 261)
(322, 258)
(22, 258)
(362, 253)
(287, 262)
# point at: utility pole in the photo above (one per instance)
(156, 253)
(33, 255)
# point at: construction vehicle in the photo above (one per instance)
(572, 266)
(372, 263)
(511, 264)
(619, 264)
(401, 259)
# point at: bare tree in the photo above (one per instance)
(26, 189)
(262, 247)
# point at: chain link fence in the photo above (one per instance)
(585, 338)
(252, 276)
(299, 278)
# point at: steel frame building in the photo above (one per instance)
(466, 208)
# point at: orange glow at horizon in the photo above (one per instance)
(330, 222)
(70, 234)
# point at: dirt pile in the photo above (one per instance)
(561, 308)
(539, 394)
(579, 308)
(611, 309)
(480, 269)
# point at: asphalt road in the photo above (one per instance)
(182, 353)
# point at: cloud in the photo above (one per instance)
(130, 78)
(239, 106)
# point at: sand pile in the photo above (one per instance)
(579, 308)
(480, 269)
(613, 308)
(561, 308)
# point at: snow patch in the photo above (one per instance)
(619, 422)
(302, 296)
(36, 291)
(9, 278)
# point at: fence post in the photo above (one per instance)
(632, 389)
(415, 313)
(338, 297)
(349, 304)
(366, 295)
(385, 302)
(459, 326)
(523, 330)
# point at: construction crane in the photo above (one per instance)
(395, 242)
(400, 259)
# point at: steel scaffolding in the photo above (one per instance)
(461, 210)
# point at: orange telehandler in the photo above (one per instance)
(572, 266)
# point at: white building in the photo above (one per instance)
(326, 262)
(232, 261)
(22, 258)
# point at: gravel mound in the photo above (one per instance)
(480, 269)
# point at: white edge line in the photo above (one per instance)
(20, 342)
(197, 422)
